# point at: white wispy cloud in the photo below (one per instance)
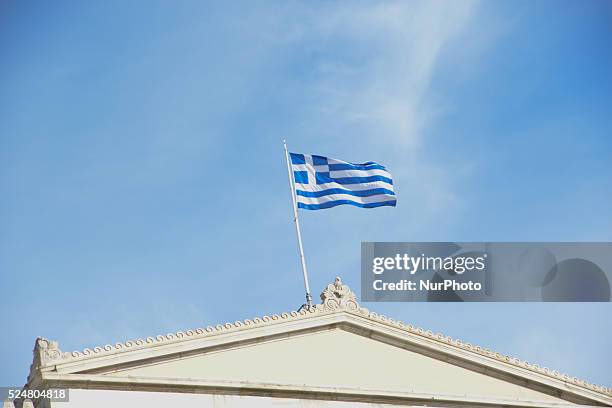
(382, 82)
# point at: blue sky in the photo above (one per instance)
(144, 187)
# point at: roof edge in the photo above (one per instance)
(336, 297)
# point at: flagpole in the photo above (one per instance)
(297, 228)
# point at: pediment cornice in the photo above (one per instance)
(339, 306)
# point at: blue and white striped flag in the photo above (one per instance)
(323, 182)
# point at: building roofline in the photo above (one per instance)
(336, 297)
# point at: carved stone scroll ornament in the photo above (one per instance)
(46, 350)
(339, 296)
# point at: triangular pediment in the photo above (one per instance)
(335, 350)
(336, 358)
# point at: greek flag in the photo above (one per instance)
(323, 182)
